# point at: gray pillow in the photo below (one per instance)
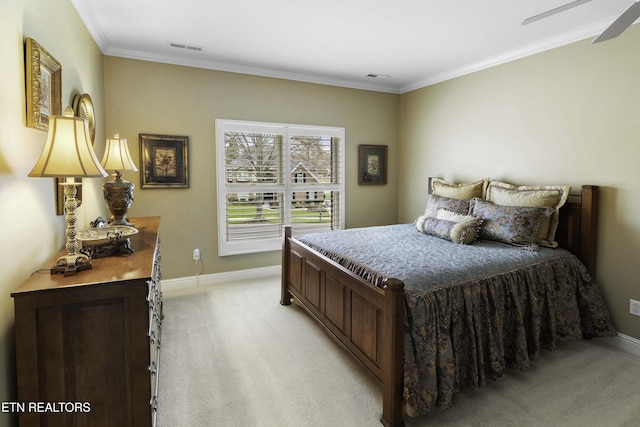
(514, 225)
(462, 232)
(435, 202)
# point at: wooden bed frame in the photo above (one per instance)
(368, 321)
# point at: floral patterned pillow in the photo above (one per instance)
(435, 202)
(515, 225)
(551, 196)
(467, 232)
(463, 232)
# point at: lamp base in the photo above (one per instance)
(121, 221)
(70, 264)
(73, 261)
(118, 195)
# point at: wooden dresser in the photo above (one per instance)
(88, 346)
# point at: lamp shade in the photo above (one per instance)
(116, 155)
(68, 151)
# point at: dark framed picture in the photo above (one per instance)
(372, 164)
(44, 85)
(164, 161)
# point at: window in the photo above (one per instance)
(272, 174)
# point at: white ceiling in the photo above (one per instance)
(339, 42)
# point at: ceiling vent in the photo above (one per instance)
(377, 76)
(186, 46)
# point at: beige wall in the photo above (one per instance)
(146, 97)
(566, 116)
(31, 232)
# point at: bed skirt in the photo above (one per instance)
(466, 333)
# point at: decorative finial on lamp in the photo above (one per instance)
(118, 194)
(69, 153)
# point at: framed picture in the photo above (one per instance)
(44, 85)
(372, 164)
(164, 161)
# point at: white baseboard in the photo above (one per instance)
(194, 282)
(621, 342)
(625, 343)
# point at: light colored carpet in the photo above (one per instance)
(233, 356)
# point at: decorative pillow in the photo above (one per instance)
(458, 232)
(469, 229)
(434, 203)
(548, 196)
(515, 225)
(454, 216)
(460, 191)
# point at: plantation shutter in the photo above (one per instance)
(270, 175)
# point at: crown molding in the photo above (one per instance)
(243, 69)
(532, 49)
(92, 24)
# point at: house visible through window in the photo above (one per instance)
(272, 174)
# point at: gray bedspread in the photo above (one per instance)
(471, 310)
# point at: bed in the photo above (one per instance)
(426, 316)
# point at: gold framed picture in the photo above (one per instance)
(44, 85)
(164, 161)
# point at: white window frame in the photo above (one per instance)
(288, 186)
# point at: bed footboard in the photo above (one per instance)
(366, 320)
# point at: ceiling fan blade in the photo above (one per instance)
(554, 11)
(623, 22)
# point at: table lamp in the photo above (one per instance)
(68, 153)
(118, 194)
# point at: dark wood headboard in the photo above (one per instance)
(578, 228)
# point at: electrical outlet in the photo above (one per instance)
(634, 307)
(196, 254)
